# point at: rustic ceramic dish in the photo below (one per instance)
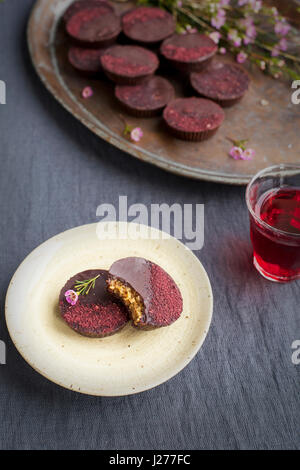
(272, 130)
(130, 361)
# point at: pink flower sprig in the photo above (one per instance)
(219, 19)
(241, 57)
(239, 150)
(82, 288)
(71, 296)
(133, 133)
(249, 29)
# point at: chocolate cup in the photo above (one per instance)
(147, 36)
(85, 30)
(158, 86)
(234, 77)
(200, 110)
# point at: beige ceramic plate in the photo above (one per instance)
(130, 361)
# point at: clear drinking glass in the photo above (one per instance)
(273, 200)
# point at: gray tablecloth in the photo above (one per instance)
(240, 392)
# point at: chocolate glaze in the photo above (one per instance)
(161, 296)
(107, 314)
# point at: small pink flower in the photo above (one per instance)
(224, 3)
(215, 36)
(218, 21)
(282, 28)
(262, 65)
(241, 57)
(247, 22)
(221, 13)
(191, 30)
(136, 134)
(237, 42)
(241, 3)
(222, 50)
(248, 154)
(283, 45)
(251, 32)
(275, 51)
(71, 297)
(236, 153)
(87, 92)
(179, 3)
(256, 5)
(247, 40)
(234, 37)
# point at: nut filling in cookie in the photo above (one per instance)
(129, 297)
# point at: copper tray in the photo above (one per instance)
(272, 130)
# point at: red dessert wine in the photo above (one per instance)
(277, 249)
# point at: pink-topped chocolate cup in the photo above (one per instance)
(147, 99)
(222, 82)
(94, 27)
(188, 52)
(193, 119)
(86, 61)
(148, 25)
(129, 65)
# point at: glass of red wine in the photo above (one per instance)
(273, 200)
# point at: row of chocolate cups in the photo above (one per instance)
(132, 65)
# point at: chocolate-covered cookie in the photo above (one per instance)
(94, 312)
(150, 294)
